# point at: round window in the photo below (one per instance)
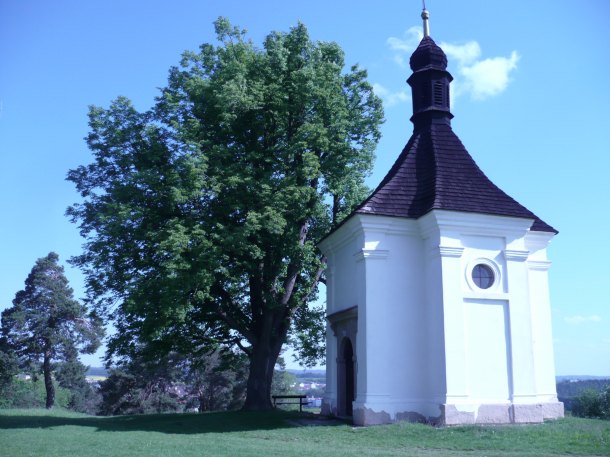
(483, 276)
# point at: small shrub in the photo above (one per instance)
(593, 404)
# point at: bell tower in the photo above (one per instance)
(438, 301)
(429, 82)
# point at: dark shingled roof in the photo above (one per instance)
(434, 171)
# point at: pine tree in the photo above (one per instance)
(46, 324)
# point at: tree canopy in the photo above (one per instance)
(201, 215)
(46, 324)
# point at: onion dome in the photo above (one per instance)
(428, 55)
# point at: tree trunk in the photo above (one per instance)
(262, 364)
(48, 380)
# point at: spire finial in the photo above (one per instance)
(425, 15)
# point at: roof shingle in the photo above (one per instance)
(434, 171)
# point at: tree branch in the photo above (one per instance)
(248, 351)
(335, 209)
(317, 277)
(293, 268)
(256, 282)
(226, 310)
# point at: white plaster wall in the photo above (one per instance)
(539, 297)
(395, 350)
(427, 337)
(434, 339)
(345, 288)
(522, 337)
(498, 344)
(347, 282)
(487, 350)
(392, 353)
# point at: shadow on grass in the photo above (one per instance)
(191, 423)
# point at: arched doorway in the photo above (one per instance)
(346, 378)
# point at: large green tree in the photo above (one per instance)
(201, 215)
(46, 324)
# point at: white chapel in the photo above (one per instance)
(437, 286)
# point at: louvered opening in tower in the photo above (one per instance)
(439, 93)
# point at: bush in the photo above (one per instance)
(125, 393)
(32, 394)
(593, 404)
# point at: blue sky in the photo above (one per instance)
(530, 97)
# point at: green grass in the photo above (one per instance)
(59, 434)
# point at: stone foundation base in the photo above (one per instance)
(500, 413)
(552, 410)
(366, 416)
(467, 414)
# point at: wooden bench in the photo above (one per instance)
(302, 400)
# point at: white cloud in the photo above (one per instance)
(489, 77)
(390, 98)
(578, 319)
(409, 42)
(477, 77)
(464, 54)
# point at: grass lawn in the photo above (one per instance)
(60, 434)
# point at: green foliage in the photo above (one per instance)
(70, 374)
(172, 383)
(571, 389)
(201, 216)
(46, 324)
(217, 381)
(45, 317)
(25, 393)
(58, 434)
(124, 393)
(593, 404)
(142, 387)
(283, 383)
(8, 367)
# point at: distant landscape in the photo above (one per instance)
(313, 383)
(580, 378)
(321, 375)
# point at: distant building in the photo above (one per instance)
(313, 402)
(437, 291)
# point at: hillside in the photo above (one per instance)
(57, 434)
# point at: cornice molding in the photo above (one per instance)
(362, 225)
(388, 225)
(539, 265)
(372, 254)
(343, 314)
(464, 223)
(536, 241)
(451, 251)
(342, 236)
(516, 255)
